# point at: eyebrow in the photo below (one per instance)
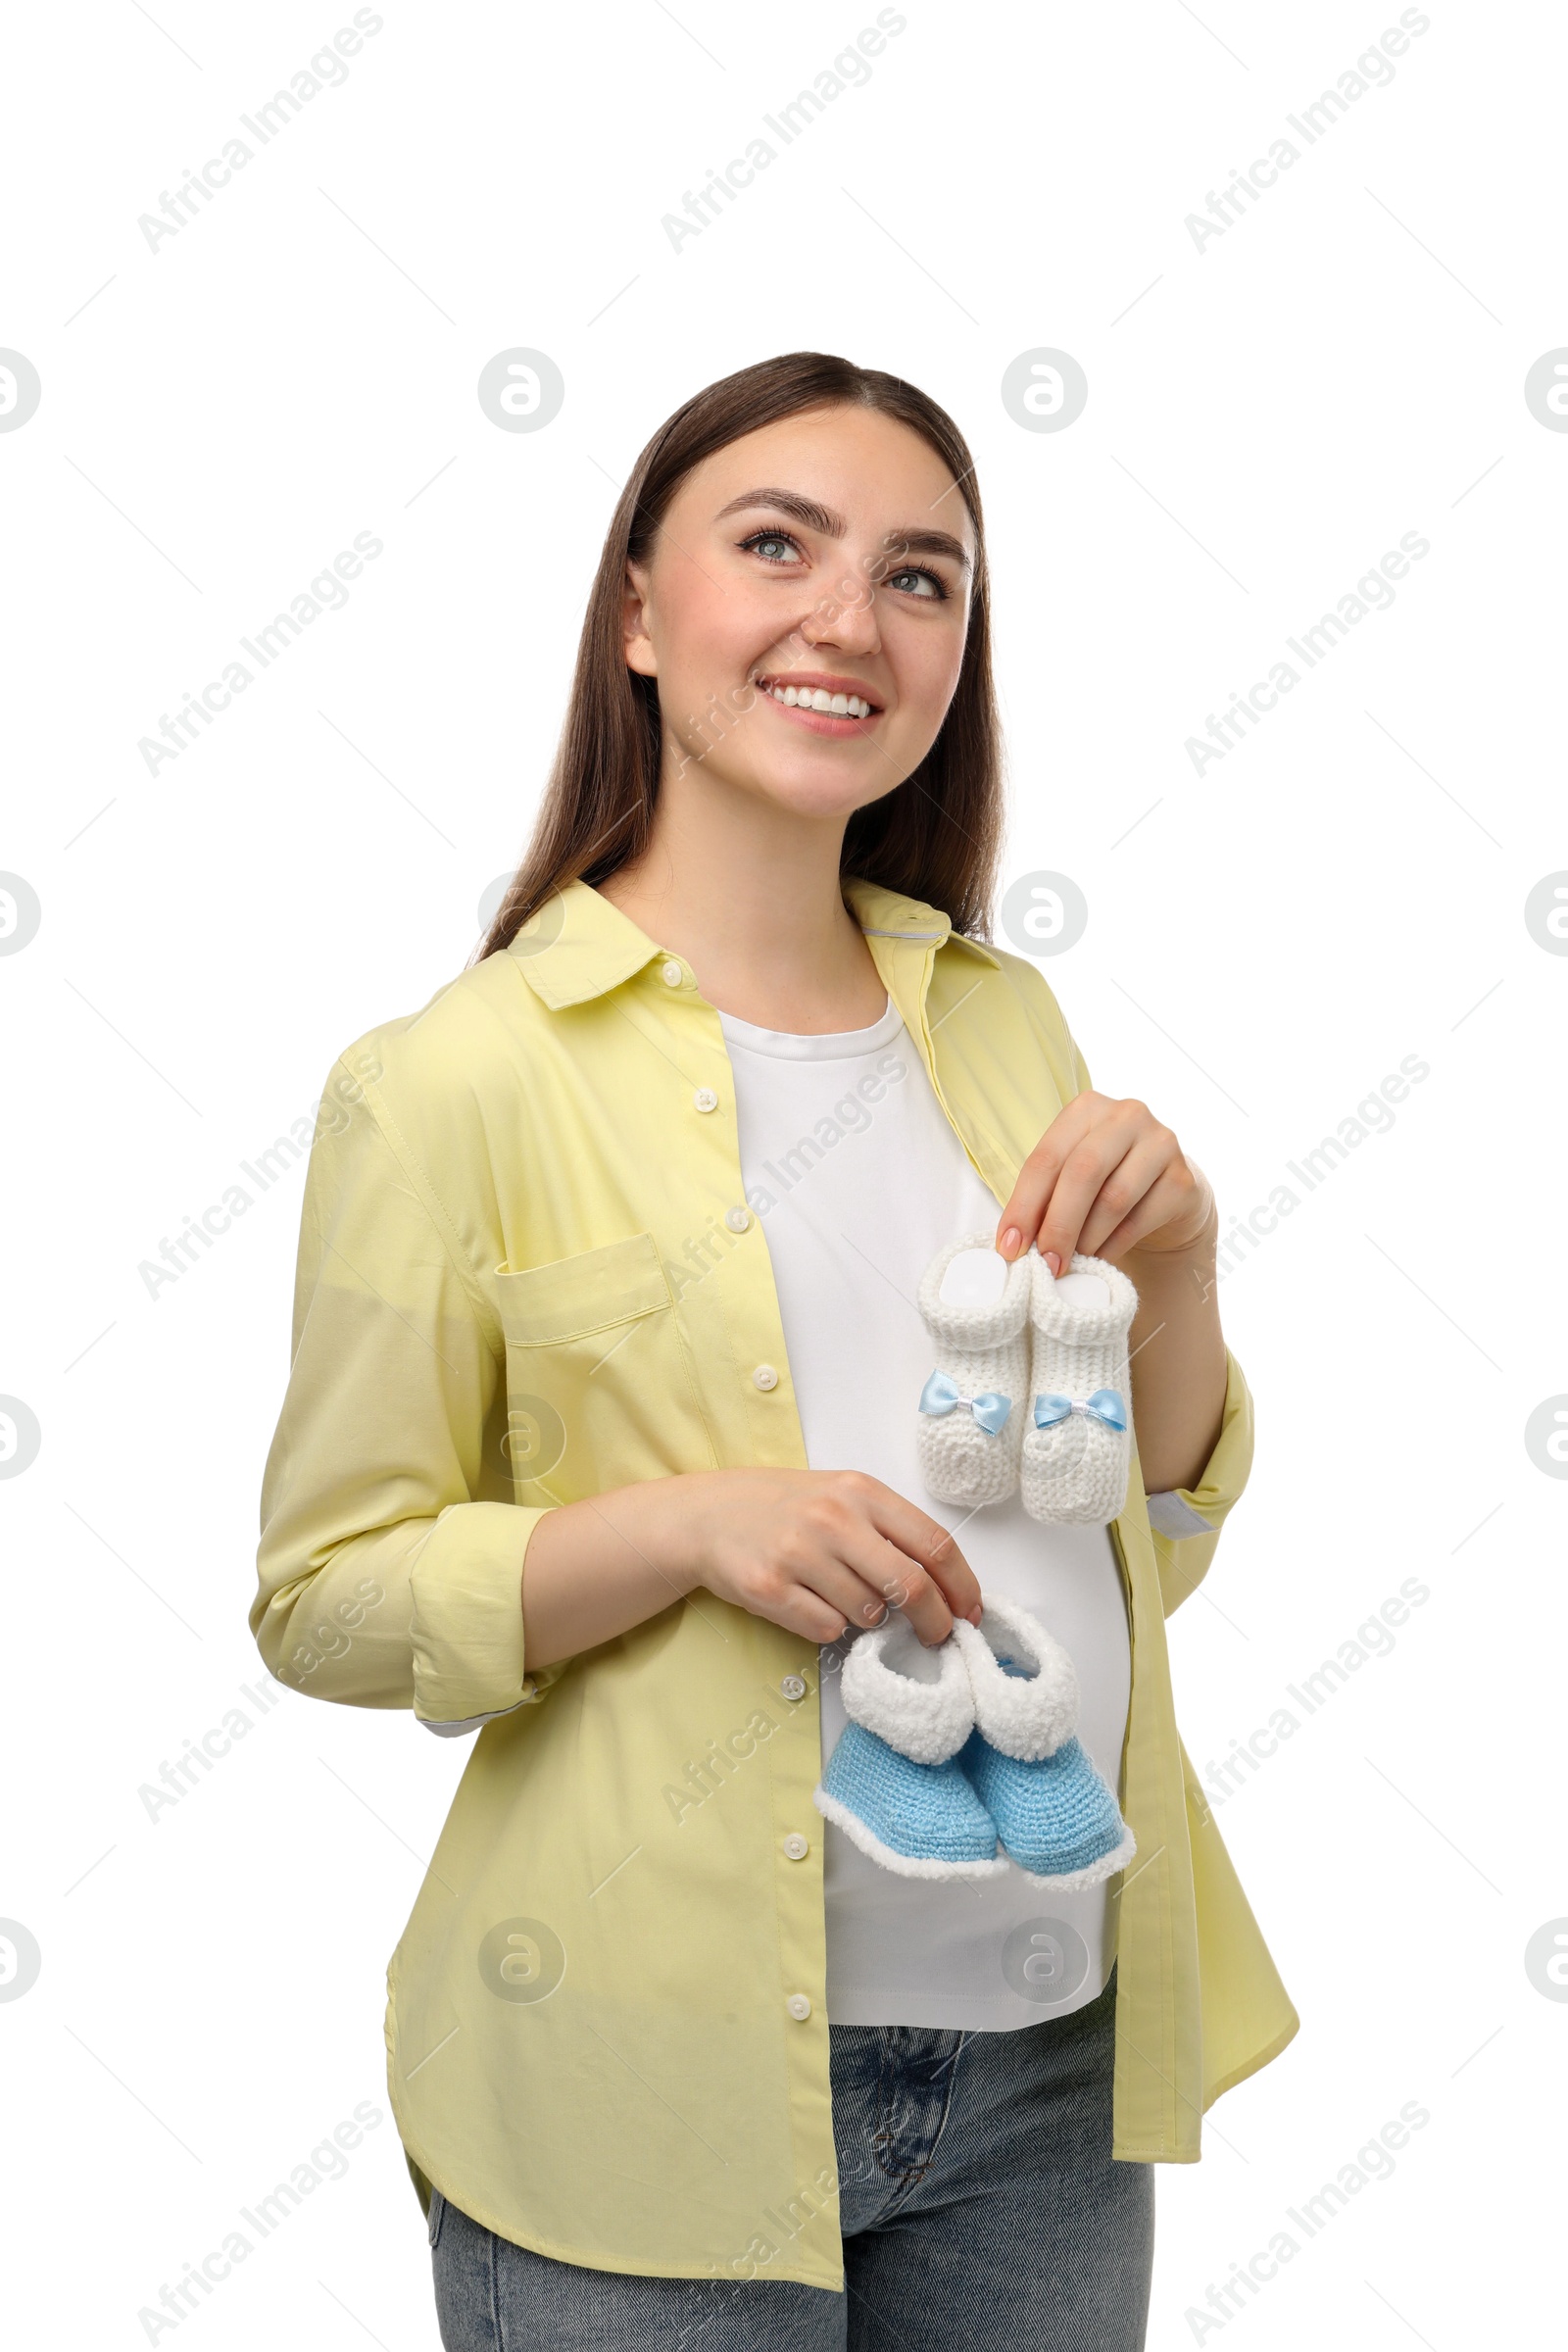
(816, 518)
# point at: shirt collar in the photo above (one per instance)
(580, 946)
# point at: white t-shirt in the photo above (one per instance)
(858, 1180)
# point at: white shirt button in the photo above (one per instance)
(705, 1099)
(764, 1377)
(799, 2007)
(737, 1219)
(795, 1846)
(671, 974)
(793, 1686)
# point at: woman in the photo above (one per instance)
(600, 1435)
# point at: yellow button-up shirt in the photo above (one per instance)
(519, 1284)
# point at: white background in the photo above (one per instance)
(1266, 415)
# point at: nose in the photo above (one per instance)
(845, 615)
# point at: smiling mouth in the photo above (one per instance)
(825, 699)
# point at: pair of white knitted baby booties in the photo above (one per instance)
(1031, 1386)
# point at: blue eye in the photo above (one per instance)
(764, 544)
(913, 581)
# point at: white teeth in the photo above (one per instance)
(816, 697)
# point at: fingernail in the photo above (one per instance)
(1053, 1262)
(1011, 1240)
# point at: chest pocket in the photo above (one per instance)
(600, 1387)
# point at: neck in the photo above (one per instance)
(749, 894)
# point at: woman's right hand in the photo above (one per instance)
(814, 1552)
(818, 1550)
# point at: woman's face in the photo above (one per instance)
(826, 557)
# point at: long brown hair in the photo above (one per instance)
(935, 837)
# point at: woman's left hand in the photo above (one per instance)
(1109, 1180)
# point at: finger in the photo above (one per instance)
(863, 1589)
(925, 1605)
(931, 1551)
(943, 1573)
(1169, 1199)
(803, 1612)
(1019, 1220)
(830, 1549)
(1076, 1189)
(1103, 1132)
(1125, 1189)
(894, 1578)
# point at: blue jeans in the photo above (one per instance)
(979, 2204)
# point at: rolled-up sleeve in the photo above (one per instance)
(388, 1577)
(1186, 1521)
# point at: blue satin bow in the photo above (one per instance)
(940, 1395)
(1104, 1406)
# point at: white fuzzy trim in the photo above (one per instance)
(1077, 1882)
(907, 1866)
(1025, 1719)
(1079, 1325)
(975, 1327)
(885, 1688)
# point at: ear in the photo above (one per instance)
(640, 655)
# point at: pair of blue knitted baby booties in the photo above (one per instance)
(958, 1759)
